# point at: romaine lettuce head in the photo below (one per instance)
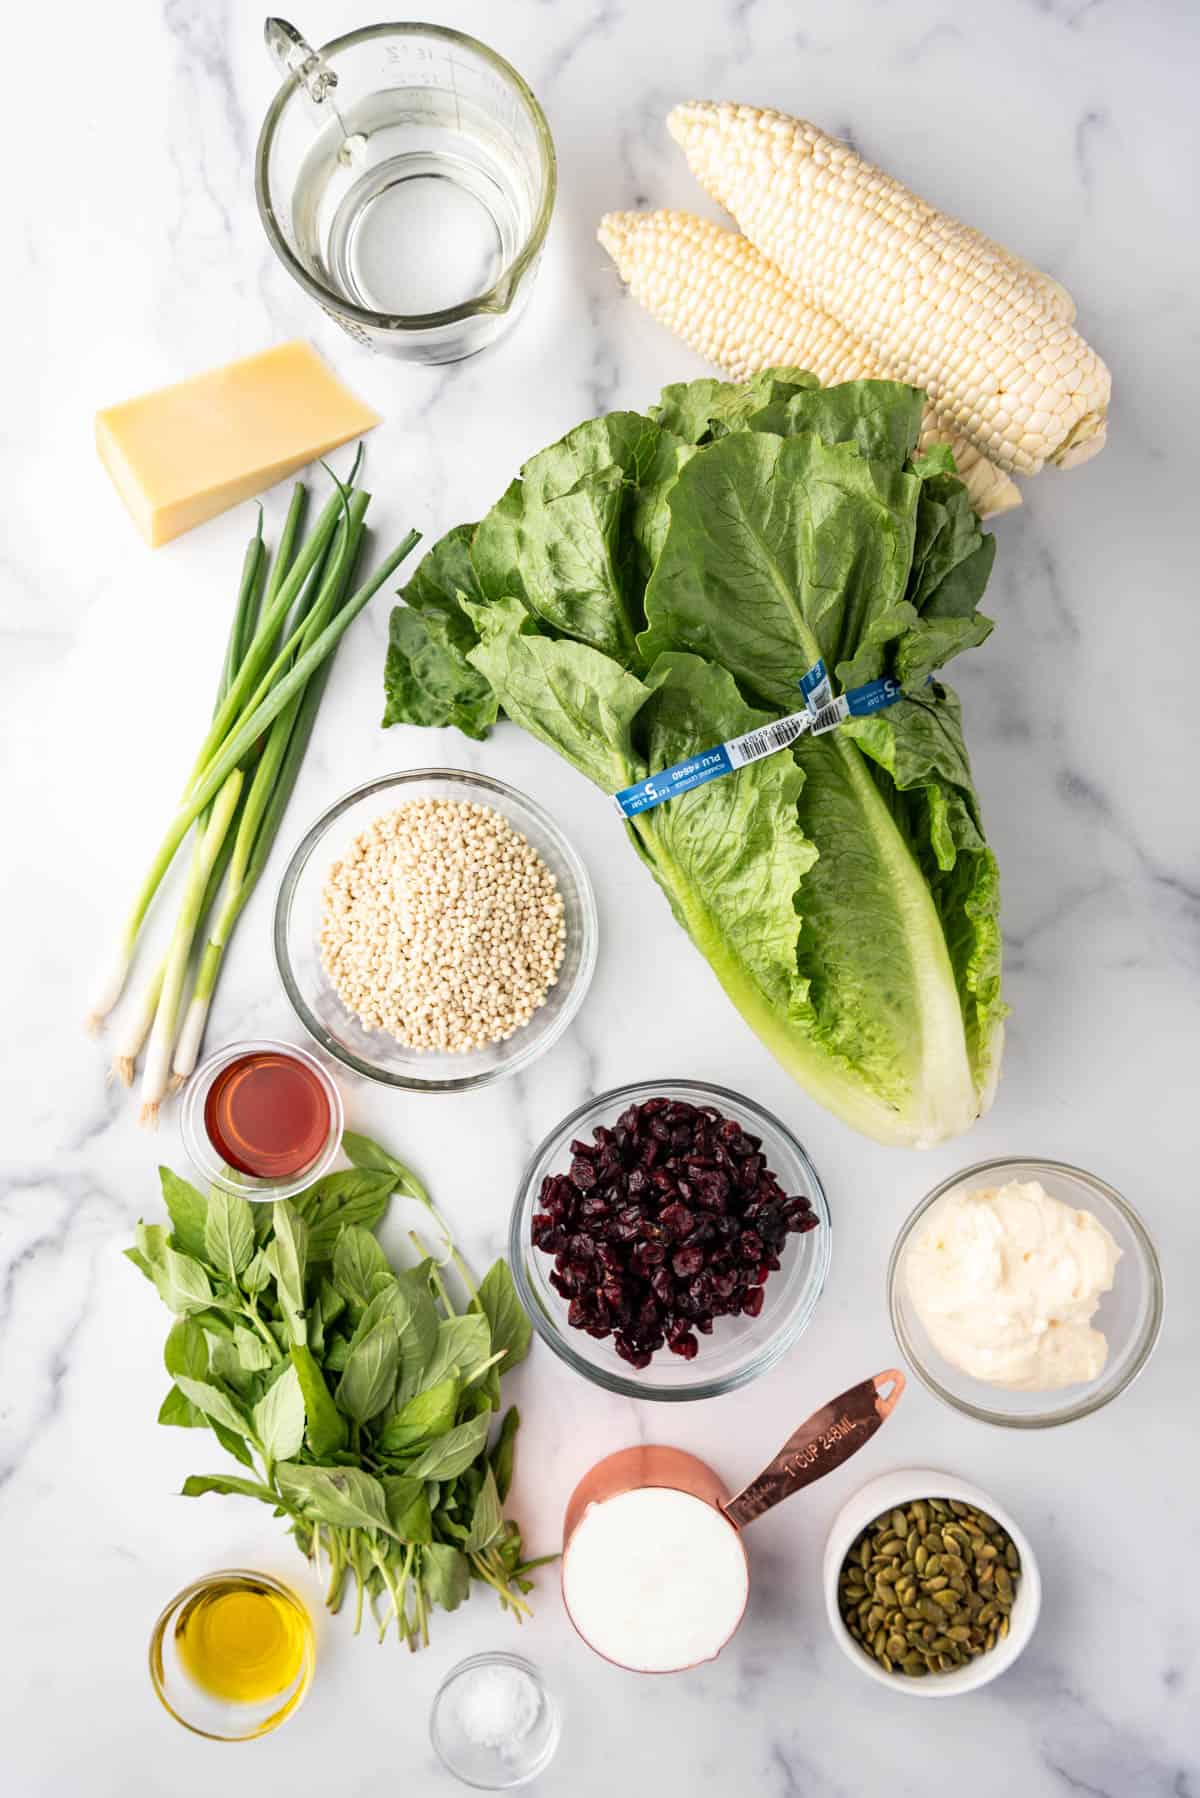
(651, 586)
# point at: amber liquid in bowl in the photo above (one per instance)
(267, 1115)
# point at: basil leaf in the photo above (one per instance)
(353, 1196)
(224, 1363)
(445, 1574)
(214, 1403)
(197, 1484)
(407, 1301)
(407, 1508)
(429, 1413)
(152, 1242)
(181, 1412)
(288, 1254)
(482, 1398)
(182, 1283)
(370, 1374)
(463, 1343)
(188, 1211)
(356, 1260)
(366, 1154)
(228, 1233)
(326, 1430)
(279, 1417)
(139, 1261)
(501, 1457)
(452, 1453)
(487, 1518)
(343, 1496)
(186, 1350)
(231, 1442)
(257, 1275)
(498, 1301)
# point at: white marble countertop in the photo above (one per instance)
(1067, 129)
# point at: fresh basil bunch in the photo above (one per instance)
(358, 1398)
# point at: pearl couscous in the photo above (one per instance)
(443, 926)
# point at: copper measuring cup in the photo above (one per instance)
(826, 1439)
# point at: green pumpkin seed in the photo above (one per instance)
(928, 1587)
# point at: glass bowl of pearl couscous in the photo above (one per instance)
(435, 930)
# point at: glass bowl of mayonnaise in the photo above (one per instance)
(1025, 1293)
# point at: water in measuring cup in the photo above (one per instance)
(411, 201)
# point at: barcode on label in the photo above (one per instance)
(758, 743)
(829, 716)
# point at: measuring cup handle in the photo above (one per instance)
(829, 1437)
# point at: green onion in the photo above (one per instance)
(162, 1036)
(261, 816)
(273, 676)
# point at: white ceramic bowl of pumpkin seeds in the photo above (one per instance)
(920, 1565)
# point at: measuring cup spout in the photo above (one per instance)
(829, 1437)
(294, 55)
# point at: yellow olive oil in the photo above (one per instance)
(241, 1640)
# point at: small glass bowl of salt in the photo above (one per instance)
(494, 1724)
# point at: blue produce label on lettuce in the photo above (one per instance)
(711, 764)
(859, 702)
(873, 696)
(816, 686)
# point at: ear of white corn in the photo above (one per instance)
(722, 296)
(940, 305)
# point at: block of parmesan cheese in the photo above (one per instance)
(184, 453)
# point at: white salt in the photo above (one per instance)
(496, 1707)
(655, 1579)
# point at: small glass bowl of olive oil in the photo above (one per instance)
(232, 1656)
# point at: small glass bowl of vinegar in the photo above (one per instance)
(232, 1656)
(261, 1119)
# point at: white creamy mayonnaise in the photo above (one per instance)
(1006, 1281)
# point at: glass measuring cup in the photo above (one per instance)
(405, 177)
(823, 1442)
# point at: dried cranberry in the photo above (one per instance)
(662, 1285)
(677, 1219)
(664, 1221)
(750, 1246)
(636, 1357)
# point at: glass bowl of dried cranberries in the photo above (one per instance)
(670, 1240)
